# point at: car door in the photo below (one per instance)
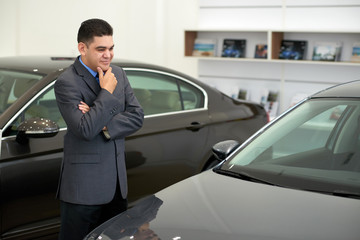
(169, 147)
(30, 172)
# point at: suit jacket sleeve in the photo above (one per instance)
(130, 118)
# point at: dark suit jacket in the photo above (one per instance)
(92, 164)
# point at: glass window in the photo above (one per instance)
(44, 106)
(13, 85)
(159, 93)
(314, 125)
(310, 135)
(318, 142)
(192, 97)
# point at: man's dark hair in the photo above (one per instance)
(93, 28)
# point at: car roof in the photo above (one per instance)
(38, 64)
(48, 64)
(343, 90)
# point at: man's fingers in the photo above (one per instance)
(100, 72)
(83, 107)
(107, 81)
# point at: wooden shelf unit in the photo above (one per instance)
(273, 40)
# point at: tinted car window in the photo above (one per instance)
(316, 144)
(312, 134)
(13, 85)
(43, 106)
(192, 98)
(159, 93)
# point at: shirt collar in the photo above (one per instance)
(89, 69)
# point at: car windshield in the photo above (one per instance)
(314, 147)
(14, 84)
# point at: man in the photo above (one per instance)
(100, 110)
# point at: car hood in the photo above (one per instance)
(211, 206)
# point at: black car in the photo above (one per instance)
(298, 178)
(183, 118)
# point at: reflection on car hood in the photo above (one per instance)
(212, 206)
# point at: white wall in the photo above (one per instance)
(280, 14)
(144, 30)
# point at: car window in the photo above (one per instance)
(159, 93)
(319, 141)
(308, 130)
(192, 98)
(312, 134)
(13, 85)
(43, 106)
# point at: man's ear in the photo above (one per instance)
(82, 48)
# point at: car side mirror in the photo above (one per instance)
(223, 149)
(36, 128)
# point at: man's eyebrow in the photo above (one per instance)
(103, 47)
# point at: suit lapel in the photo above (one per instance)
(86, 76)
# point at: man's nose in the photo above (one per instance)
(107, 53)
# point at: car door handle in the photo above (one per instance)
(195, 126)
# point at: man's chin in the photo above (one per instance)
(104, 67)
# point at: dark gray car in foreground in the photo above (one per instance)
(183, 119)
(297, 178)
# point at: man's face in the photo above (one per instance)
(98, 53)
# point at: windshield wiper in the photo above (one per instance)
(346, 194)
(243, 176)
(341, 193)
